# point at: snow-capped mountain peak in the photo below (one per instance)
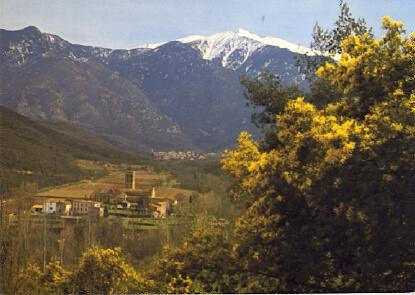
(232, 49)
(229, 48)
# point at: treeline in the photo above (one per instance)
(110, 271)
(100, 271)
(37, 240)
(41, 256)
(201, 175)
(209, 183)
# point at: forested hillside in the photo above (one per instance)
(46, 152)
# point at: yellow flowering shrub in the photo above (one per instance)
(374, 69)
(331, 201)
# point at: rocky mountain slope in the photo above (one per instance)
(176, 95)
(204, 98)
(46, 79)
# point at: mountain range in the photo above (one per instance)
(182, 94)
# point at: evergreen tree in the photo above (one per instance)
(326, 46)
(329, 41)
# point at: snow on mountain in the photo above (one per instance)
(276, 42)
(230, 48)
(233, 49)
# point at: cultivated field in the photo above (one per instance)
(144, 178)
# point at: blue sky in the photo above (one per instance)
(128, 23)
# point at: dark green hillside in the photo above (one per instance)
(44, 152)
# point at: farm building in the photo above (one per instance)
(57, 206)
(84, 207)
(162, 207)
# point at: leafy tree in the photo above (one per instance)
(29, 281)
(104, 271)
(180, 285)
(330, 206)
(202, 264)
(54, 280)
(268, 96)
(100, 271)
(371, 70)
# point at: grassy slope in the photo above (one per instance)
(45, 152)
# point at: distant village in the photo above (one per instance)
(129, 202)
(182, 155)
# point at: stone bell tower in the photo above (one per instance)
(130, 180)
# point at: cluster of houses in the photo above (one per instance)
(142, 203)
(180, 155)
